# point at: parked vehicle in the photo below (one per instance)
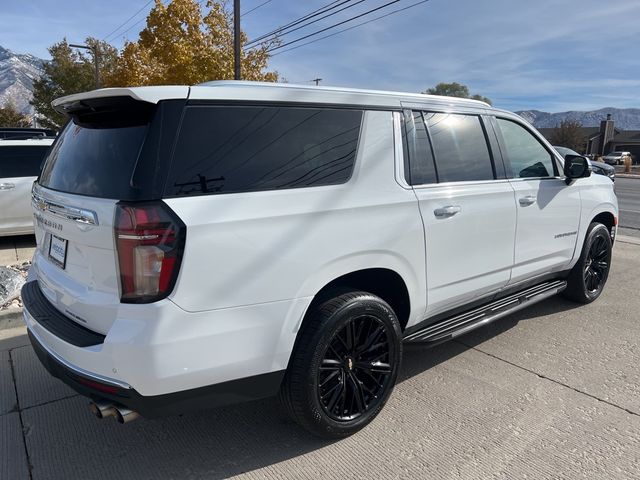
(14, 133)
(198, 246)
(596, 167)
(20, 162)
(616, 158)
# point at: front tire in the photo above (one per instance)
(344, 365)
(588, 277)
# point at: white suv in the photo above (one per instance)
(205, 245)
(20, 162)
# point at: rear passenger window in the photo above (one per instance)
(21, 161)
(227, 149)
(460, 147)
(527, 156)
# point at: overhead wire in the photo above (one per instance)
(380, 7)
(349, 28)
(127, 21)
(281, 29)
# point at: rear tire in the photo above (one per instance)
(589, 275)
(344, 365)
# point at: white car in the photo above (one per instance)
(204, 245)
(20, 162)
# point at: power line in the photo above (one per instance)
(304, 25)
(304, 18)
(255, 8)
(333, 26)
(352, 27)
(144, 19)
(127, 20)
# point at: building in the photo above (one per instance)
(606, 138)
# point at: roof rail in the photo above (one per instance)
(18, 133)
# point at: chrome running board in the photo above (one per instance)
(465, 322)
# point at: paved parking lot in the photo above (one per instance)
(550, 392)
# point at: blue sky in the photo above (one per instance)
(550, 55)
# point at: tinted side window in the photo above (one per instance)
(527, 155)
(227, 149)
(22, 161)
(422, 169)
(460, 147)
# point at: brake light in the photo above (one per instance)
(150, 242)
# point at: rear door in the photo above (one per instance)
(548, 209)
(19, 167)
(115, 150)
(467, 207)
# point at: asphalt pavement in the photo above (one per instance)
(551, 392)
(628, 192)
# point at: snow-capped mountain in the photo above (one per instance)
(17, 73)
(624, 118)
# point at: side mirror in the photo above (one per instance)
(576, 166)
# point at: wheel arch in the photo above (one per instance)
(382, 282)
(607, 218)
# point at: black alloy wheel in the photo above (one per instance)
(344, 364)
(355, 368)
(597, 265)
(589, 275)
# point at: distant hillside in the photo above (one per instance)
(17, 73)
(625, 118)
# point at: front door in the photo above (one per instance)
(548, 209)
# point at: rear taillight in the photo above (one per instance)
(150, 242)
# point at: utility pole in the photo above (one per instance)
(96, 52)
(317, 80)
(237, 74)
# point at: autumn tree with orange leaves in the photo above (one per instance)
(182, 45)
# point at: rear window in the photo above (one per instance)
(21, 161)
(228, 149)
(114, 147)
(97, 162)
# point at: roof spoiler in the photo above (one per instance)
(66, 105)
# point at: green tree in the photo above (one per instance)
(183, 45)
(455, 89)
(69, 71)
(569, 134)
(10, 116)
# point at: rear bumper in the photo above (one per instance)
(226, 393)
(159, 359)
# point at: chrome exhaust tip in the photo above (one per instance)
(124, 415)
(102, 409)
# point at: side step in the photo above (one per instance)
(467, 321)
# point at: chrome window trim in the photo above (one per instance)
(463, 183)
(77, 370)
(80, 215)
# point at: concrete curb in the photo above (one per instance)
(11, 318)
(627, 175)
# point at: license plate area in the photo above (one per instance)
(58, 251)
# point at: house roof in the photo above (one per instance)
(627, 136)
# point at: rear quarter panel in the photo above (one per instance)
(261, 247)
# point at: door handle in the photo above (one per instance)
(448, 211)
(528, 200)
(7, 186)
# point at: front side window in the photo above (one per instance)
(228, 149)
(459, 147)
(21, 161)
(527, 156)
